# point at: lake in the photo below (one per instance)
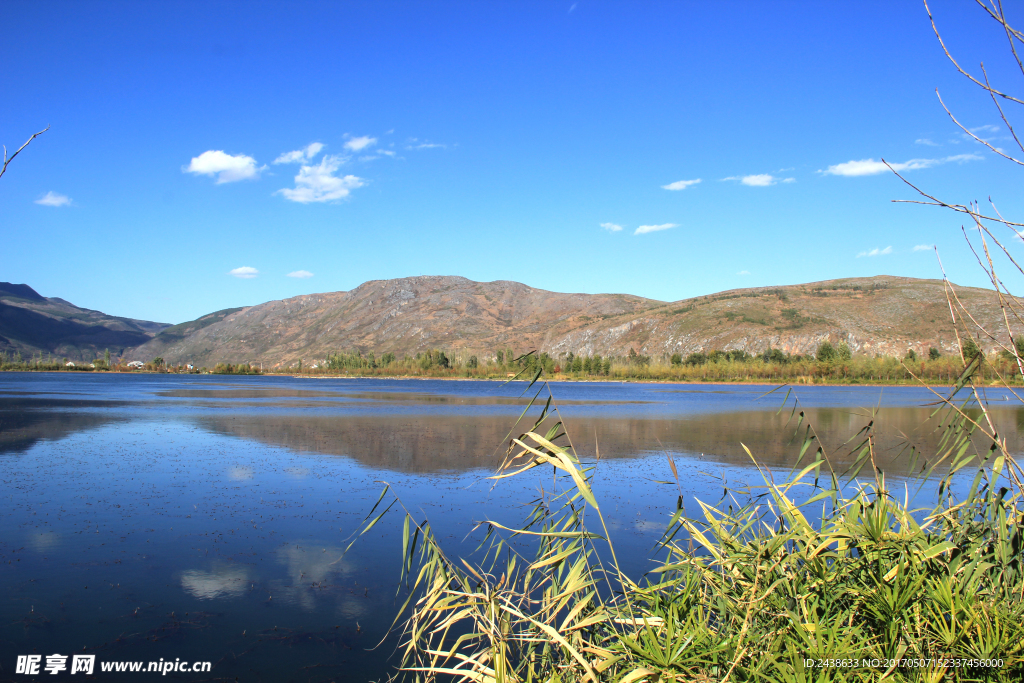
(203, 518)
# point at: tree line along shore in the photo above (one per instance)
(828, 365)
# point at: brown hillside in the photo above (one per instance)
(878, 315)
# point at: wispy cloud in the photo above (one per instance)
(416, 143)
(611, 227)
(300, 155)
(988, 128)
(360, 143)
(865, 167)
(318, 183)
(228, 168)
(743, 272)
(644, 229)
(925, 141)
(923, 247)
(51, 198)
(760, 179)
(680, 184)
(875, 252)
(301, 274)
(245, 272)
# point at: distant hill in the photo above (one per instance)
(877, 315)
(30, 324)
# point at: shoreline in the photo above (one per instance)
(595, 380)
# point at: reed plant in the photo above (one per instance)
(822, 576)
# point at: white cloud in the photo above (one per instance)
(644, 229)
(988, 128)
(680, 184)
(925, 141)
(923, 247)
(360, 143)
(226, 167)
(301, 274)
(319, 184)
(299, 155)
(743, 272)
(611, 227)
(876, 252)
(51, 198)
(759, 179)
(245, 272)
(871, 167)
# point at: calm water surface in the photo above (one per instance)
(203, 518)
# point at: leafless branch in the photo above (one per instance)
(968, 131)
(1002, 114)
(957, 65)
(7, 161)
(935, 201)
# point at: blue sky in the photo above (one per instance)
(494, 140)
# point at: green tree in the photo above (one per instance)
(106, 357)
(843, 351)
(472, 362)
(971, 349)
(500, 357)
(677, 359)
(933, 353)
(826, 352)
(911, 355)
(607, 366)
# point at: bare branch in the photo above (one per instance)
(7, 161)
(1011, 32)
(968, 131)
(1002, 114)
(958, 68)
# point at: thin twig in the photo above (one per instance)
(7, 161)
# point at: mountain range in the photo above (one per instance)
(31, 324)
(875, 315)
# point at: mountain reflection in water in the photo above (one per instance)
(433, 443)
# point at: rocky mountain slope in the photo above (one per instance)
(878, 315)
(31, 324)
